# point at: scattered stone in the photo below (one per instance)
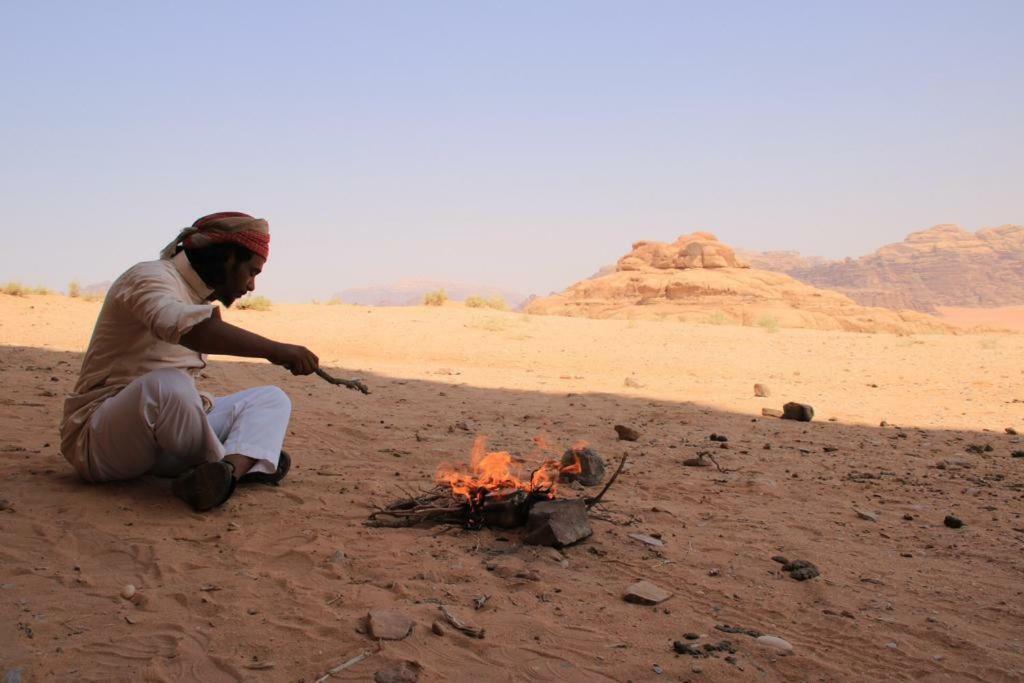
(338, 556)
(800, 412)
(4, 504)
(699, 461)
(869, 516)
(438, 628)
(761, 391)
(591, 466)
(128, 592)
(909, 517)
(648, 540)
(646, 593)
(691, 636)
(13, 675)
(978, 448)
(721, 438)
(630, 382)
(725, 628)
(253, 611)
(626, 433)
(771, 412)
(1011, 431)
(389, 625)
(403, 672)
(657, 670)
(1015, 454)
(801, 570)
(776, 643)
(780, 559)
(953, 522)
(557, 523)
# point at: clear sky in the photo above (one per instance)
(518, 144)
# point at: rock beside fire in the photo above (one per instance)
(646, 593)
(389, 625)
(557, 523)
(591, 466)
(626, 433)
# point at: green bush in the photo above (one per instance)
(435, 298)
(253, 303)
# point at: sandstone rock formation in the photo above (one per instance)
(942, 266)
(699, 279)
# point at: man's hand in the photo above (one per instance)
(298, 359)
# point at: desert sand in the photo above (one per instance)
(274, 585)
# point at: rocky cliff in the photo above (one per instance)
(699, 279)
(942, 266)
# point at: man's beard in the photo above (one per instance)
(226, 300)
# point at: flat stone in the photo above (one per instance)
(761, 391)
(389, 625)
(646, 593)
(557, 523)
(403, 672)
(626, 433)
(797, 411)
(869, 516)
(771, 412)
(648, 540)
(775, 642)
(953, 522)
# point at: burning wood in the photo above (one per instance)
(497, 490)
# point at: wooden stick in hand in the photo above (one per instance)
(356, 384)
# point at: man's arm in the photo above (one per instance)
(213, 335)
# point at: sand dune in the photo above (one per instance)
(273, 585)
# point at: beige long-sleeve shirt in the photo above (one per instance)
(146, 312)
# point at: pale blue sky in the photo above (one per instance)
(517, 144)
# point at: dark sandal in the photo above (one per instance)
(284, 463)
(206, 486)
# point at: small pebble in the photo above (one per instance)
(128, 592)
(953, 522)
(775, 642)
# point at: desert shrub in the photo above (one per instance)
(435, 298)
(14, 289)
(39, 289)
(335, 301)
(74, 289)
(768, 322)
(716, 318)
(253, 303)
(497, 303)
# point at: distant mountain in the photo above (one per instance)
(942, 266)
(411, 292)
(699, 279)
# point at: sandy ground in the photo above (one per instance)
(274, 585)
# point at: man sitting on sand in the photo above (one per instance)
(136, 409)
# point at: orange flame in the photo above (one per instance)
(500, 471)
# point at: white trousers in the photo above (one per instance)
(157, 425)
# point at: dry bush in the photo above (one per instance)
(253, 303)
(435, 298)
(768, 322)
(15, 289)
(497, 303)
(74, 289)
(335, 301)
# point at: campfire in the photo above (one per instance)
(498, 490)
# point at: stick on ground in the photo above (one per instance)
(345, 665)
(591, 502)
(355, 384)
